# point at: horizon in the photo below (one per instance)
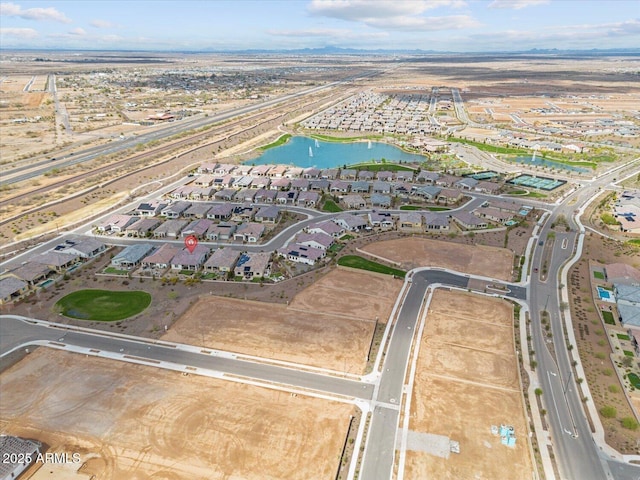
(448, 26)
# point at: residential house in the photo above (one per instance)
(321, 185)
(249, 232)
(170, 228)
(204, 180)
(329, 173)
(246, 195)
(427, 192)
(384, 176)
(197, 228)
(316, 240)
(149, 209)
(484, 186)
(222, 260)
(117, 223)
(360, 187)
(12, 289)
(339, 186)
(311, 172)
(382, 220)
(224, 169)
(354, 202)
(277, 171)
(381, 187)
(243, 213)
(175, 210)
(243, 182)
(197, 210)
(446, 180)
(226, 194)
(410, 222)
(494, 215)
(350, 222)
(265, 196)
(280, 184)
(505, 206)
(131, 256)
(221, 231)
(287, 197)
(207, 167)
(84, 247)
(191, 260)
(348, 174)
(31, 272)
(404, 175)
(252, 265)
(261, 170)
(143, 227)
(161, 258)
(269, 214)
(365, 175)
(308, 199)
(57, 261)
(379, 200)
(221, 211)
(467, 183)
(326, 226)
(426, 176)
(293, 172)
(300, 184)
(435, 221)
(469, 221)
(261, 183)
(449, 196)
(302, 253)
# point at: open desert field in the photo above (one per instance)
(328, 324)
(136, 422)
(413, 252)
(466, 381)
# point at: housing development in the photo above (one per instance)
(305, 265)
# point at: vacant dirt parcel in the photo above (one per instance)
(421, 252)
(467, 381)
(328, 324)
(137, 422)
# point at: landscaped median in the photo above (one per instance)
(355, 261)
(103, 305)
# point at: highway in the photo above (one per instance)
(199, 121)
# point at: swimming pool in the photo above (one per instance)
(46, 283)
(605, 295)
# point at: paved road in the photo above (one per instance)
(385, 394)
(577, 455)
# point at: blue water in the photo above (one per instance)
(548, 163)
(46, 283)
(329, 155)
(604, 294)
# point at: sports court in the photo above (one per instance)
(541, 183)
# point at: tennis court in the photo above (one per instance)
(541, 183)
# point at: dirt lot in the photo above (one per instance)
(474, 259)
(136, 422)
(328, 324)
(465, 382)
(596, 354)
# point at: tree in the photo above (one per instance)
(538, 391)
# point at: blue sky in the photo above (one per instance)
(451, 25)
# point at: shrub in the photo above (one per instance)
(629, 423)
(608, 411)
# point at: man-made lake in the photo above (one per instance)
(307, 152)
(541, 162)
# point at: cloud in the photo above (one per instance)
(39, 14)
(403, 15)
(78, 31)
(102, 24)
(25, 33)
(516, 4)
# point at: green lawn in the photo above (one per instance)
(535, 195)
(336, 247)
(331, 206)
(281, 141)
(355, 261)
(346, 238)
(634, 379)
(608, 318)
(488, 148)
(635, 241)
(622, 336)
(115, 271)
(608, 219)
(103, 305)
(598, 275)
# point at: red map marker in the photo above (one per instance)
(191, 243)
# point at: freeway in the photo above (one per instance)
(198, 121)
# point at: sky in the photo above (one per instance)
(441, 25)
